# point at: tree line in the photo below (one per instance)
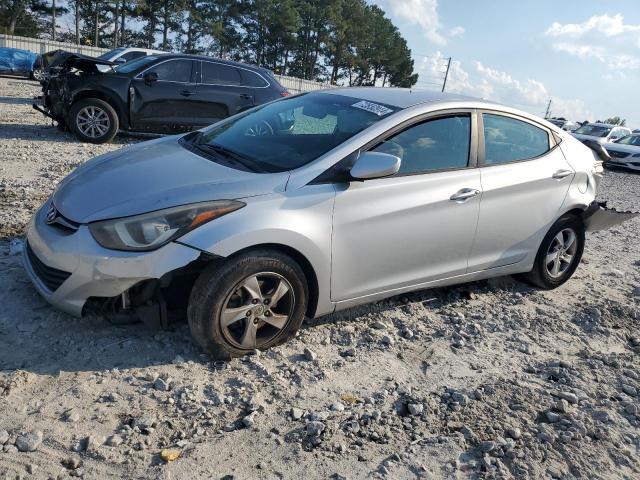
(346, 42)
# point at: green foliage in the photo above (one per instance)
(616, 121)
(339, 41)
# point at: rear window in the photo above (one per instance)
(218, 74)
(593, 130)
(252, 79)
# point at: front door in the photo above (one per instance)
(417, 226)
(525, 179)
(221, 92)
(167, 104)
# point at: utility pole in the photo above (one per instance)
(548, 112)
(53, 21)
(446, 74)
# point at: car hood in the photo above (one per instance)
(151, 176)
(621, 147)
(582, 137)
(68, 60)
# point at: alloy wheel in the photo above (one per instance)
(259, 129)
(257, 310)
(561, 252)
(93, 121)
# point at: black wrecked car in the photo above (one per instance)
(168, 93)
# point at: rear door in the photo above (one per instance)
(525, 179)
(414, 227)
(220, 92)
(167, 104)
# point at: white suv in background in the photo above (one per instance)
(124, 55)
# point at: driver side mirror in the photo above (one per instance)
(372, 165)
(150, 77)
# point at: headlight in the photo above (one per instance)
(637, 155)
(155, 229)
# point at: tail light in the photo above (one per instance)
(285, 93)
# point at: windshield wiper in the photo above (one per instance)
(225, 152)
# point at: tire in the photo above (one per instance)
(543, 275)
(105, 121)
(37, 74)
(221, 292)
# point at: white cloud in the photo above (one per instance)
(604, 24)
(602, 37)
(423, 13)
(456, 31)
(486, 82)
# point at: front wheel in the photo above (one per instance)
(559, 255)
(254, 301)
(93, 120)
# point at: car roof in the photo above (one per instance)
(600, 124)
(217, 60)
(405, 97)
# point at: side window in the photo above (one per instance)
(252, 79)
(437, 144)
(218, 74)
(508, 140)
(173, 71)
(127, 57)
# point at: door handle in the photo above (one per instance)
(186, 93)
(464, 194)
(245, 96)
(560, 174)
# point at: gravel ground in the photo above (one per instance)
(486, 380)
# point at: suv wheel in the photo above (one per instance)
(559, 255)
(254, 301)
(93, 120)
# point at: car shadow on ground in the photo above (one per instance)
(15, 101)
(47, 133)
(37, 338)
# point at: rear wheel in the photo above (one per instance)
(254, 301)
(93, 120)
(559, 254)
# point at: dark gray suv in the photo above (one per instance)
(159, 93)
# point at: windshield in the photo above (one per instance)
(134, 65)
(630, 140)
(557, 123)
(290, 133)
(593, 130)
(111, 53)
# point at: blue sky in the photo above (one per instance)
(582, 54)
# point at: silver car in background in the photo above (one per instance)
(313, 204)
(601, 132)
(625, 153)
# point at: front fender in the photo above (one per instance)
(300, 220)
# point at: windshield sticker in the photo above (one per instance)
(379, 110)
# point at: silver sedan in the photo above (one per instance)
(313, 204)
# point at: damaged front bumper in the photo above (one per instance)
(600, 217)
(68, 267)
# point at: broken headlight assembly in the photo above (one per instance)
(152, 230)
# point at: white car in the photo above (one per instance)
(124, 55)
(625, 153)
(600, 132)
